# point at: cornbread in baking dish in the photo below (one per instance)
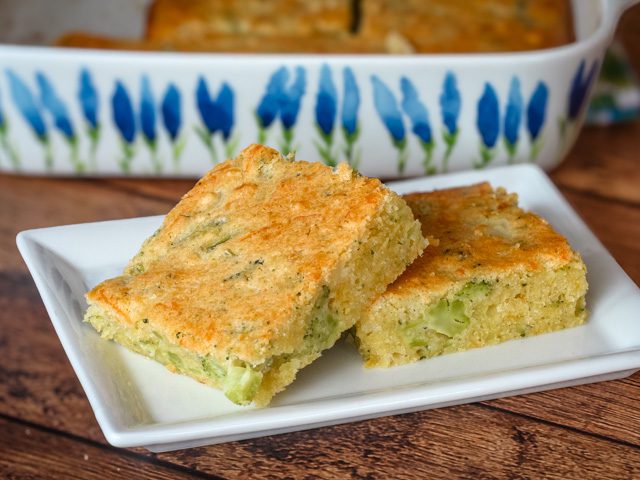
(257, 270)
(461, 26)
(345, 26)
(492, 272)
(171, 19)
(230, 43)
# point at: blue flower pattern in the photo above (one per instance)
(125, 121)
(5, 143)
(171, 116)
(147, 111)
(350, 102)
(172, 121)
(326, 111)
(291, 99)
(387, 108)
(283, 99)
(417, 113)
(89, 104)
(290, 102)
(350, 106)
(269, 106)
(88, 98)
(58, 110)
(225, 101)
(326, 102)
(26, 104)
(488, 123)
(148, 121)
(579, 89)
(513, 118)
(55, 107)
(391, 116)
(536, 111)
(450, 105)
(577, 95)
(3, 122)
(217, 116)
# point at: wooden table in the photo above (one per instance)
(47, 429)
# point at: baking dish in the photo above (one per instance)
(88, 112)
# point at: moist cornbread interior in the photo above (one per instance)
(257, 270)
(492, 272)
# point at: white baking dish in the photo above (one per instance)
(68, 111)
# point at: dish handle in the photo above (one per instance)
(614, 9)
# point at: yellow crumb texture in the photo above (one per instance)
(260, 267)
(492, 272)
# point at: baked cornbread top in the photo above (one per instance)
(171, 19)
(237, 265)
(477, 233)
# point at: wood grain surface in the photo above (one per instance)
(47, 428)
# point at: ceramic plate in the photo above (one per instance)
(137, 402)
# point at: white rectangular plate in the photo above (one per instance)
(137, 402)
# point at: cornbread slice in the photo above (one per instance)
(169, 20)
(232, 43)
(461, 26)
(494, 273)
(257, 270)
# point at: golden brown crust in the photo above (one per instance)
(325, 26)
(460, 26)
(170, 19)
(232, 43)
(477, 232)
(237, 265)
(101, 42)
(492, 272)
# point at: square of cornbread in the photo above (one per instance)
(492, 272)
(257, 270)
(171, 20)
(461, 26)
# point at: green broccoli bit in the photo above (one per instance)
(211, 368)
(473, 290)
(447, 318)
(241, 384)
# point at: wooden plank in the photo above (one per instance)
(39, 202)
(37, 383)
(460, 442)
(617, 226)
(604, 162)
(170, 190)
(47, 392)
(609, 409)
(30, 452)
(426, 444)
